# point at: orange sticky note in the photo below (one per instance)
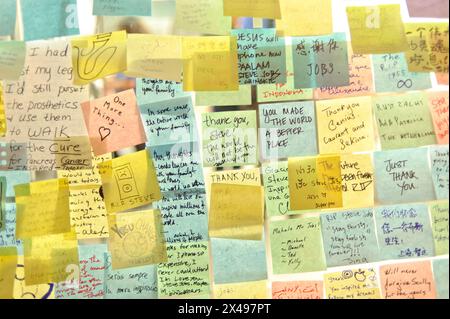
(297, 290)
(438, 103)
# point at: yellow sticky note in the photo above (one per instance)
(42, 208)
(345, 125)
(96, 56)
(154, 56)
(305, 17)
(377, 29)
(242, 290)
(250, 176)
(269, 9)
(136, 239)
(8, 264)
(232, 217)
(2, 114)
(23, 291)
(129, 181)
(352, 284)
(315, 182)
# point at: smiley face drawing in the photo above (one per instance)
(136, 244)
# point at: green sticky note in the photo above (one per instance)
(122, 8)
(440, 274)
(276, 188)
(8, 17)
(439, 170)
(12, 59)
(439, 223)
(392, 75)
(225, 98)
(229, 139)
(154, 90)
(296, 246)
(404, 120)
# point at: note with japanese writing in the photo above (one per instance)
(136, 239)
(8, 263)
(440, 272)
(439, 103)
(250, 255)
(408, 281)
(243, 96)
(357, 175)
(12, 59)
(96, 56)
(439, 224)
(439, 170)
(8, 18)
(269, 9)
(403, 176)
(230, 217)
(404, 120)
(377, 29)
(297, 290)
(392, 75)
(349, 237)
(404, 231)
(243, 290)
(345, 125)
(154, 90)
(122, 7)
(358, 283)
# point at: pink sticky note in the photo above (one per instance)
(438, 102)
(297, 290)
(408, 281)
(428, 8)
(113, 122)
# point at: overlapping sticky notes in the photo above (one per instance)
(96, 56)
(248, 176)
(269, 9)
(229, 138)
(408, 281)
(296, 246)
(13, 178)
(129, 181)
(130, 283)
(243, 96)
(314, 182)
(154, 90)
(169, 121)
(284, 91)
(202, 16)
(110, 118)
(250, 255)
(178, 167)
(261, 56)
(345, 125)
(287, 129)
(349, 237)
(403, 176)
(377, 29)
(428, 46)
(243, 290)
(8, 264)
(186, 273)
(439, 224)
(357, 180)
(8, 18)
(360, 78)
(12, 59)
(52, 258)
(304, 17)
(122, 7)
(404, 231)
(358, 283)
(89, 280)
(230, 217)
(320, 61)
(185, 217)
(404, 120)
(439, 105)
(24, 291)
(136, 239)
(440, 272)
(439, 170)
(42, 208)
(38, 24)
(391, 74)
(210, 63)
(154, 56)
(428, 9)
(297, 289)
(276, 188)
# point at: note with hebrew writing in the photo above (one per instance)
(356, 283)
(297, 289)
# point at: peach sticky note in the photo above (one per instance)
(438, 103)
(297, 290)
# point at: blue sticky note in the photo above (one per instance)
(404, 231)
(185, 217)
(15, 178)
(8, 233)
(237, 260)
(43, 19)
(439, 170)
(392, 75)
(287, 129)
(320, 61)
(349, 237)
(153, 90)
(7, 17)
(169, 121)
(122, 8)
(403, 176)
(261, 56)
(440, 274)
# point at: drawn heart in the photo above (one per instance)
(104, 132)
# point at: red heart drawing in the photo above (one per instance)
(104, 132)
